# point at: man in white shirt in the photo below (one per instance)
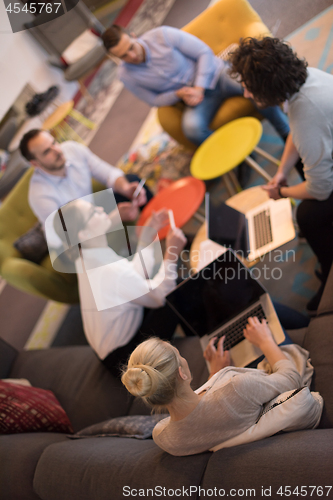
(63, 172)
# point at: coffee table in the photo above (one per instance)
(184, 197)
(228, 147)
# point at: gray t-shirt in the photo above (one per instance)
(311, 125)
(231, 403)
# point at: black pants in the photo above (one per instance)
(160, 322)
(315, 220)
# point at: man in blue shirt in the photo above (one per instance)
(167, 65)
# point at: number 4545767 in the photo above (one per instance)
(303, 491)
(33, 8)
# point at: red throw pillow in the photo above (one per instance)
(29, 409)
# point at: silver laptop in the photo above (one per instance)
(218, 300)
(254, 233)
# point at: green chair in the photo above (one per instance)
(16, 218)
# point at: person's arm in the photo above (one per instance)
(289, 158)
(151, 97)
(192, 47)
(311, 140)
(101, 170)
(299, 192)
(285, 376)
(148, 234)
(165, 279)
(217, 357)
(259, 334)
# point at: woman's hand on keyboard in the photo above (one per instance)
(258, 333)
(217, 357)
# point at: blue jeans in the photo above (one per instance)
(196, 120)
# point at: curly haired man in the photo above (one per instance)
(271, 73)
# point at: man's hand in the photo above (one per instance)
(192, 96)
(158, 220)
(141, 198)
(279, 179)
(128, 211)
(122, 186)
(272, 191)
(217, 357)
(258, 333)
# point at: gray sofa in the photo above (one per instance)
(50, 466)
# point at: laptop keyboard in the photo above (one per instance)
(234, 332)
(262, 228)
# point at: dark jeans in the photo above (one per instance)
(133, 178)
(289, 318)
(315, 220)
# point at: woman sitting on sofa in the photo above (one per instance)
(115, 329)
(227, 405)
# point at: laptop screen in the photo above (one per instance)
(215, 295)
(227, 226)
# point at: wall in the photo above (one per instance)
(23, 61)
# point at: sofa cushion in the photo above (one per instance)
(319, 342)
(88, 469)
(83, 386)
(326, 303)
(7, 358)
(19, 454)
(295, 459)
(133, 426)
(30, 409)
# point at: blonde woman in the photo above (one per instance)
(228, 404)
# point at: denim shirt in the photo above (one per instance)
(173, 59)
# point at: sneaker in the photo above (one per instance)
(312, 306)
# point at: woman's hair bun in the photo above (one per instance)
(138, 380)
(152, 372)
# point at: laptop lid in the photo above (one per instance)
(215, 295)
(226, 226)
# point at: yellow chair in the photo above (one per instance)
(16, 218)
(219, 26)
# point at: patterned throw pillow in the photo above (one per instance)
(133, 426)
(29, 409)
(32, 245)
